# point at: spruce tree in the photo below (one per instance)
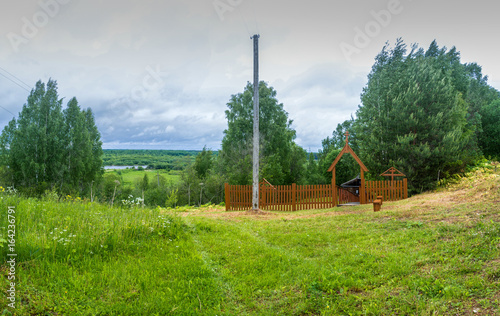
(413, 116)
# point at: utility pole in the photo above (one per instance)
(256, 133)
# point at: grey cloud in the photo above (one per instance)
(100, 52)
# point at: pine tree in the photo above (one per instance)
(413, 117)
(490, 140)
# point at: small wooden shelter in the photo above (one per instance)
(352, 185)
(363, 169)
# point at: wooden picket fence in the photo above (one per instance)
(280, 198)
(295, 197)
(305, 197)
(390, 191)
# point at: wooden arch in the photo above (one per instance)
(363, 169)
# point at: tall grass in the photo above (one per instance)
(86, 258)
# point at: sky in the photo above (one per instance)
(158, 74)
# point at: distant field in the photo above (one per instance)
(158, 159)
(132, 176)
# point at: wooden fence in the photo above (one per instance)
(389, 190)
(305, 197)
(295, 197)
(280, 198)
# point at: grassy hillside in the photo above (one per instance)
(433, 254)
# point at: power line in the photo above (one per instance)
(245, 23)
(17, 83)
(14, 82)
(27, 85)
(7, 110)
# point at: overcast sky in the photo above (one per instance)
(158, 74)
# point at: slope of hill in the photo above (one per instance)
(433, 254)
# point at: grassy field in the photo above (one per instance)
(160, 159)
(132, 176)
(433, 254)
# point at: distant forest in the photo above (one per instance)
(153, 159)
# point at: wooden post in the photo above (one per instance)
(262, 194)
(294, 198)
(362, 198)
(405, 185)
(334, 188)
(227, 197)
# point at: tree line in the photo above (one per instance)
(47, 147)
(152, 159)
(423, 112)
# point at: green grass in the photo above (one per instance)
(171, 159)
(433, 254)
(84, 258)
(133, 176)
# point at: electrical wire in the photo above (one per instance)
(245, 23)
(27, 85)
(1, 74)
(20, 84)
(7, 110)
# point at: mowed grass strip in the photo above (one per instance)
(354, 264)
(438, 253)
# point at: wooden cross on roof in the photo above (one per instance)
(347, 137)
(393, 172)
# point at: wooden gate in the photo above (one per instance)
(294, 197)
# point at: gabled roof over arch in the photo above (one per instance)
(347, 149)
